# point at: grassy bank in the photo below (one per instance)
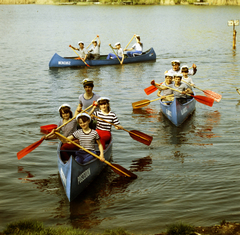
(29, 227)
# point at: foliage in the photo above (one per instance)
(180, 229)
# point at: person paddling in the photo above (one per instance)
(82, 51)
(136, 49)
(186, 78)
(120, 54)
(176, 68)
(94, 52)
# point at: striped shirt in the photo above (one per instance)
(87, 102)
(69, 128)
(167, 91)
(87, 140)
(110, 117)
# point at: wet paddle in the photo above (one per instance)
(31, 147)
(115, 167)
(142, 103)
(115, 53)
(136, 135)
(79, 56)
(217, 97)
(201, 99)
(149, 90)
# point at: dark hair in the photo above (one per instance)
(65, 110)
(84, 118)
(138, 37)
(185, 70)
(104, 102)
(88, 84)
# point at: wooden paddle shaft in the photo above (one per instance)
(69, 120)
(80, 57)
(130, 41)
(115, 53)
(146, 102)
(174, 90)
(91, 42)
(192, 86)
(95, 155)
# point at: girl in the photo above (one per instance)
(137, 47)
(87, 138)
(184, 71)
(67, 130)
(103, 128)
(119, 52)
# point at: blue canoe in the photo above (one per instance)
(76, 177)
(62, 62)
(176, 112)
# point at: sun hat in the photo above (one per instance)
(94, 41)
(64, 105)
(80, 42)
(83, 114)
(87, 81)
(103, 98)
(168, 74)
(118, 43)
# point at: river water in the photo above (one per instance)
(189, 174)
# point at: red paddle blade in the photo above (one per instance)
(140, 104)
(217, 97)
(149, 90)
(204, 100)
(141, 137)
(122, 171)
(48, 128)
(28, 149)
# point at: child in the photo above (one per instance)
(119, 53)
(87, 138)
(176, 68)
(67, 130)
(185, 78)
(94, 52)
(104, 128)
(137, 47)
(82, 51)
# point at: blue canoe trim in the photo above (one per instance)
(76, 177)
(62, 62)
(176, 112)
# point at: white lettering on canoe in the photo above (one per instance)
(169, 113)
(184, 110)
(63, 177)
(84, 176)
(64, 62)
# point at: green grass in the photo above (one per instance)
(30, 227)
(180, 229)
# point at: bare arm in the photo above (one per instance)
(100, 147)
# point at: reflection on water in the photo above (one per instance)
(141, 164)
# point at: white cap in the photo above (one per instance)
(184, 66)
(175, 61)
(137, 36)
(168, 74)
(64, 105)
(103, 98)
(118, 43)
(87, 81)
(178, 75)
(80, 42)
(94, 41)
(83, 114)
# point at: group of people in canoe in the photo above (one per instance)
(94, 52)
(84, 129)
(177, 83)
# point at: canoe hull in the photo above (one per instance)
(176, 112)
(62, 62)
(76, 177)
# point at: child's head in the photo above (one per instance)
(118, 45)
(81, 44)
(94, 42)
(103, 103)
(83, 119)
(175, 65)
(138, 38)
(178, 78)
(65, 109)
(87, 82)
(168, 78)
(184, 70)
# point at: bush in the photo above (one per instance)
(180, 229)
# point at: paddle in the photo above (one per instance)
(136, 135)
(142, 103)
(115, 53)
(201, 99)
(149, 90)
(217, 97)
(115, 167)
(130, 41)
(91, 42)
(31, 147)
(79, 56)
